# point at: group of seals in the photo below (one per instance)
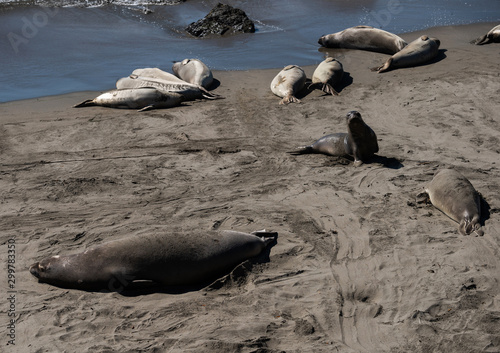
(152, 88)
(416, 53)
(453, 194)
(360, 141)
(166, 259)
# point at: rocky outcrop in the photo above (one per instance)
(220, 20)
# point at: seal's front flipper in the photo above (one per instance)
(87, 103)
(148, 107)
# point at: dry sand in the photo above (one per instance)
(358, 266)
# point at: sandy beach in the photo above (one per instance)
(358, 265)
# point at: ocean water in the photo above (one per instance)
(60, 46)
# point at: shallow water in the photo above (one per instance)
(55, 50)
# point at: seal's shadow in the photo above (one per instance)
(215, 84)
(236, 276)
(387, 162)
(485, 210)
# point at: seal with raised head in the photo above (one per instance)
(364, 38)
(164, 82)
(169, 260)
(360, 141)
(138, 98)
(416, 53)
(493, 36)
(453, 194)
(328, 73)
(193, 71)
(288, 82)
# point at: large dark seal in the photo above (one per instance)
(364, 38)
(360, 141)
(453, 194)
(170, 260)
(493, 36)
(416, 53)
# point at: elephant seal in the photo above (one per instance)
(493, 36)
(416, 53)
(360, 141)
(364, 38)
(193, 71)
(168, 260)
(453, 194)
(139, 98)
(288, 82)
(164, 82)
(328, 73)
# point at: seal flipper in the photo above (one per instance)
(383, 68)
(87, 103)
(423, 197)
(481, 40)
(302, 150)
(267, 236)
(146, 108)
(289, 99)
(327, 88)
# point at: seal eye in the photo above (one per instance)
(41, 268)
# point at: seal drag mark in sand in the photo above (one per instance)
(288, 82)
(170, 260)
(364, 38)
(453, 194)
(360, 141)
(193, 71)
(493, 36)
(164, 82)
(143, 99)
(416, 53)
(328, 73)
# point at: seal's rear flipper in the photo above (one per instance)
(383, 68)
(481, 40)
(423, 197)
(267, 236)
(327, 88)
(209, 95)
(302, 150)
(289, 99)
(87, 103)
(148, 107)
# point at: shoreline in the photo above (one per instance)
(358, 265)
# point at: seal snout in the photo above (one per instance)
(353, 114)
(34, 270)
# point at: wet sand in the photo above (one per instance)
(358, 265)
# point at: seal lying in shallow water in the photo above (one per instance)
(193, 71)
(288, 82)
(453, 194)
(171, 260)
(328, 73)
(139, 98)
(493, 36)
(416, 53)
(360, 141)
(364, 38)
(164, 82)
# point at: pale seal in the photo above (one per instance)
(164, 82)
(288, 82)
(140, 98)
(493, 36)
(416, 53)
(360, 141)
(168, 260)
(328, 73)
(364, 38)
(193, 71)
(453, 194)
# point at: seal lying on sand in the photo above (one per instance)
(164, 82)
(493, 36)
(287, 83)
(171, 260)
(139, 98)
(193, 71)
(328, 73)
(360, 141)
(453, 194)
(364, 38)
(416, 53)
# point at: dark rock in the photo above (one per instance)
(220, 20)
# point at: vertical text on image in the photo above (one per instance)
(11, 291)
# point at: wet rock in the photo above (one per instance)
(220, 20)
